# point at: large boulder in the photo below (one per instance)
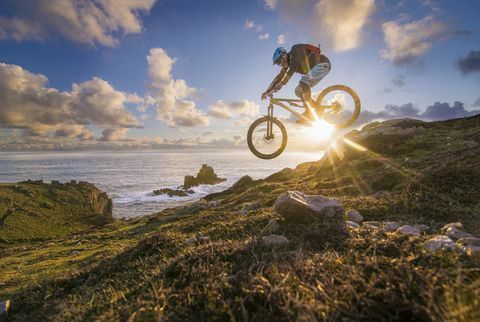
(298, 207)
(205, 175)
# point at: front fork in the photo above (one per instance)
(269, 134)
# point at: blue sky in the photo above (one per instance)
(392, 52)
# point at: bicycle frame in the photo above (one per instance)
(293, 102)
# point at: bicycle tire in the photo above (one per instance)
(354, 96)
(251, 146)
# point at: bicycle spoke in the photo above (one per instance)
(267, 144)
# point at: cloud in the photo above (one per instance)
(97, 102)
(28, 104)
(271, 4)
(250, 24)
(435, 112)
(470, 63)
(245, 121)
(443, 111)
(173, 97)
(88, 21)
(406, 42)
(264, 36)
(338, 24)
(343, 21)
(397, 82)
(477, 103)
(281, 39)
(186, 115)
(74, 131)
(109, 135)
(405, 110)
(227, 110)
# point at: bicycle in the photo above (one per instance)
(263, 133)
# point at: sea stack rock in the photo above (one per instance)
(205, 175)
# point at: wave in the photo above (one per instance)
(148, 196)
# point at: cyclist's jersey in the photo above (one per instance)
(300, 61)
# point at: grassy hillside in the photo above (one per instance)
(33, 210)
(148, 268)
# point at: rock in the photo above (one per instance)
(377, 224)
(205, 175)
(390, 226)
(469, 245)
(355, 216)
(422, 228)
(237, 187)
(298, 207)
(275, 240)
(469, 241)
(193, 207)
(408, 230)
(438, 243)
(455, 233)
(457, 225)
(215, 203)
(247, 208)
(369, 226)
(352, 224)
(197, 239)
(271, 227)
(470, 250)
(172, 192)
(243, 181)
(5, 308)
(380, 194)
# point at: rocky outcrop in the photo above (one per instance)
(205, 175)
(172, 192)
(38, 210)
(99, 201)
(298, 207)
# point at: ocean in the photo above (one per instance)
(129, 177)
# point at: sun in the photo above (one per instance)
(320, 130)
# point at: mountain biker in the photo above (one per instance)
(304, 59)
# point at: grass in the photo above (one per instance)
(141, 269)
(33, 210)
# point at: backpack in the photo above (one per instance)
(313, 50)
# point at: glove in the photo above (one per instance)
(278, 87)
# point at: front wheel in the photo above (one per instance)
(342, 105)
(267, 137)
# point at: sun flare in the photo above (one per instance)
(320, 130)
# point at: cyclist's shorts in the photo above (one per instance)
(316, 74)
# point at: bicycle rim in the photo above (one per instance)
(262, 145)
(345, 105)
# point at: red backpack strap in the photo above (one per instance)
(313, 50)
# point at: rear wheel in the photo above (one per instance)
(343, 105)
(267, 144)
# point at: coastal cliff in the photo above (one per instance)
(34, 210)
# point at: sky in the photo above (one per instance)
(104, 74)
